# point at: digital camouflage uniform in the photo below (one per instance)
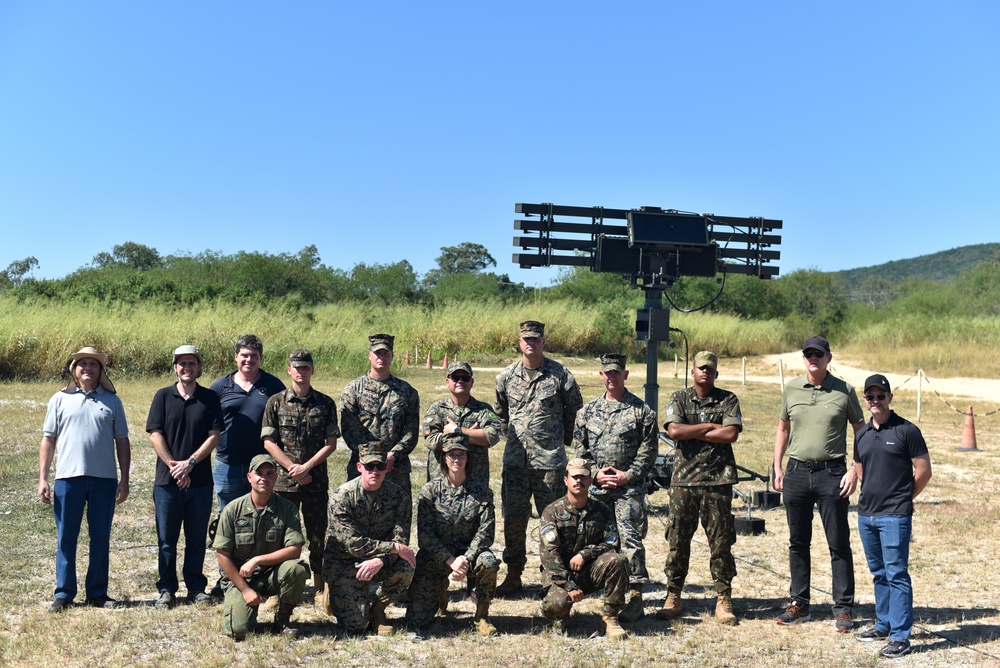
(452, 522)
(363, 525)
(473, 412)
(383, 412)
(300, 427)
(623, 435)
(246, 532)
(702, 487)
(536, 415)
(590, 531)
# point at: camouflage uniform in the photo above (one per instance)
(590, 531)
(536, 411)
(364, 525)
(300, 427)
(621, 434)
(246, 532)
(383, 412)
(474, 411)
(452, 522)
(702, 486)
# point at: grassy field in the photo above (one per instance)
(952, 564)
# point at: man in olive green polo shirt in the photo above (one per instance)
(815, 411)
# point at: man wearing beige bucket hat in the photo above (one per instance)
(87, 421)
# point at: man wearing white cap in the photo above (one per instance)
(87, 420)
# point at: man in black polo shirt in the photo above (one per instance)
(184, 423)
(815, 411)
(891, 459)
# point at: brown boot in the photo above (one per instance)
(613, 629)
(482, 621)
(633, 610)
(325, 596)
(724, 608)
(379, 623)
(443, 598)
(672, 607)
(511, 584)
(283, 619)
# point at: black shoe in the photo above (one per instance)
(844, 622)
(165, 601)
(871, 635)
(105, 602)
(59, 604)
(200, 598)
(895, 649)
(795, 613)
(217, 594)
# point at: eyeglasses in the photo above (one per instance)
(460, 378)
(374, 466)
(813, 353)
(875, 397)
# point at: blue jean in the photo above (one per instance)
(176, 506)
(804, 489)
(230, 482)
(886, 539)
(69, 496)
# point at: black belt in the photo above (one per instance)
(819, 466)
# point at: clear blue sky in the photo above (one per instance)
(381, 131)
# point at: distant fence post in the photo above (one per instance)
(781, 373)
(744, 370)
(675, 365)
(920, 391)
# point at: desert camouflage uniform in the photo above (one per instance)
(621, 434)
(452, 522)
(591, 532)
(537, 416)
(474, 411)
(702, 487)
(300, 427)
(384, 412)
(364, 525)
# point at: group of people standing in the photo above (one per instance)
(271, 445)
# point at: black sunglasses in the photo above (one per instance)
(873, 397)
(374, 466)
(460, 378)
(812, 352)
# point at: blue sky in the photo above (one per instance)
(383, 131)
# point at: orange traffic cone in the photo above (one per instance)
(969, 432)
(430, 365)
(444, 364)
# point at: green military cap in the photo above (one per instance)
(706, 358)
(532, 329)
(454, 444)
(579, 466)
(369, 453)
(457, 365)
(260, 460)
(301, 357)
(612, 362)
(380, 342)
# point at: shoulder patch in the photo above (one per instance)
(242, 522)
(548, 533)
(611, 533)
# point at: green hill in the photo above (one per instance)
(942, 266)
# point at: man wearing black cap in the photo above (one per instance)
(893, 464)
(382, 410)
(537, 400)
(812, 427)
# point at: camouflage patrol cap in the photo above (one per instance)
(456, 365)
(612, 362)
(380, 342)
(578, 466)
(706, 358)
(454, 444)
(532, 329)
(370, 453)
(301, 357)
(260, 460)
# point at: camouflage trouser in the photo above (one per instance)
(401, 478)
(714, 505)
(608, 572)
(314, 519)
(630, 514)
(516, 490)
(351, 599)
(431, 579)
(286, 581)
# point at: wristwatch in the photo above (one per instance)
(192, 462)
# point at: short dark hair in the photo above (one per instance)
(249, 341)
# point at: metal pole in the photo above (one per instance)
(781, 373)
(654, 300)
(920, 390)
(744, 370)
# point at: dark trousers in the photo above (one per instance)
(191, 508)
(818, 486)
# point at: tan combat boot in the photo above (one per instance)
(326, 599)
(724, 608)
(672, 607)
(613, 629)
(510, 585)
(283, 619)
(633, 610)
(482, 621)
(379, 623)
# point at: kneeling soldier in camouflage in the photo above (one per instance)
(366, 544)
(455, 527)
(579, 553)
